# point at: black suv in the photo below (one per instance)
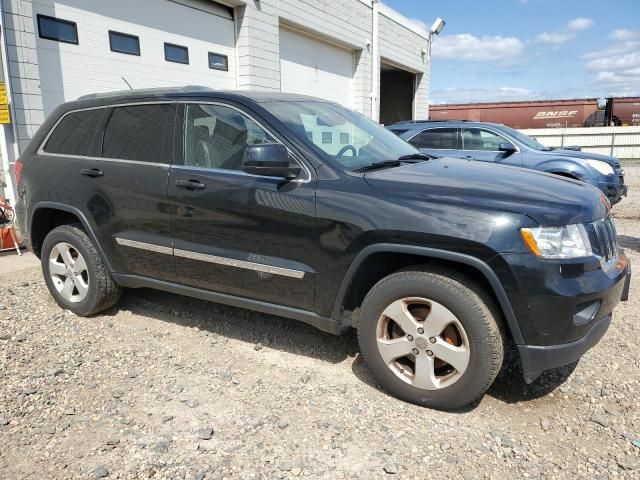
(299, 207)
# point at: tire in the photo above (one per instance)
(432, 298)
(91, 289)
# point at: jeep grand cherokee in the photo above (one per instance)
(299, 207)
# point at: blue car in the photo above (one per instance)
(490, 142)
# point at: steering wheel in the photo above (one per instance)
(344, 150)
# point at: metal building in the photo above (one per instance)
(359, 53)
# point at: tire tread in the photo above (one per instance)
(108, 292)
(476, 297)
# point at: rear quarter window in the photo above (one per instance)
(75, 133)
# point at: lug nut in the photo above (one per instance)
(410, 338)
(429, 353)
(432, 339)
(421, 331)
(415, 351)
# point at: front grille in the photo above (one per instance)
(604, 239)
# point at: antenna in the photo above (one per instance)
(128, 84)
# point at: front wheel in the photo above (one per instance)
(74, 272)
(431, 338)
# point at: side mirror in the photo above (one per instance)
(269, 160)
(507, 147)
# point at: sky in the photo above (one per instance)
(501, 50)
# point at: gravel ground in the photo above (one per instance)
(169, 387)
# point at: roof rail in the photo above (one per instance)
(413, 122)
(146, 91)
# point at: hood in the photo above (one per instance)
(548, 199)
(584, 155)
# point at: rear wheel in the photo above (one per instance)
(74, 272)
(431, 338)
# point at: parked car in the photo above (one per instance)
(299, 207)
(491, 142)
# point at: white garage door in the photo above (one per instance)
(69, 70)
(310, 66)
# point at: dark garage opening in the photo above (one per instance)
(397, 89)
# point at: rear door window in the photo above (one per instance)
(436, 138)
(76, 132)
(140, 132)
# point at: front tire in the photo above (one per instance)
(431, 338)
(74, 272)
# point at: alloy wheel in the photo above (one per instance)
(423, 343)
(68, 271)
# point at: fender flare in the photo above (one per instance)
(83, 220)
(481, 266)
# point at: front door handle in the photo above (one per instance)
(190, 184)
(92, 172)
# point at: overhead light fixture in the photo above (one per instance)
(437, 26)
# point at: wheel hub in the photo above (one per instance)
(423, 343)
(68, 272)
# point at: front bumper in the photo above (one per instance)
(613, 191)
(536, 359)
(563, 310)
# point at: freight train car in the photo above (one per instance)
(532, 114)
(626, 111)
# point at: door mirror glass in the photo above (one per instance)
(507, 147)
(269, 160)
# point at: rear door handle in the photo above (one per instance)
(190, 184)
(92, 172)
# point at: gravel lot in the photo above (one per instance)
(169, 387)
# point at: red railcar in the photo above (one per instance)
(532, 114)
(626, 111)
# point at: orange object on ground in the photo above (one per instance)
(8, 237)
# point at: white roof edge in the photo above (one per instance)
(397, 17)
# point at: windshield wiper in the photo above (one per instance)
(417, 156)
(376, 165)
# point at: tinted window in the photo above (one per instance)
(216, 136)
(139, 132)
(56, 29)
(438, 138)
(218, 62)
(477, 139)
(124, 43)
(75, 133)
(176, 53)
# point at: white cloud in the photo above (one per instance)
(477, 49)
(616, 67)
(581, 23)
(615, 63)
(625, 34)
(560, 37)
(553, 38)
(468, 95)
(614, 50)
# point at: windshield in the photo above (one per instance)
(338, 135)
(525, 139)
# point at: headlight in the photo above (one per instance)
(570, 241)
(603, 167)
